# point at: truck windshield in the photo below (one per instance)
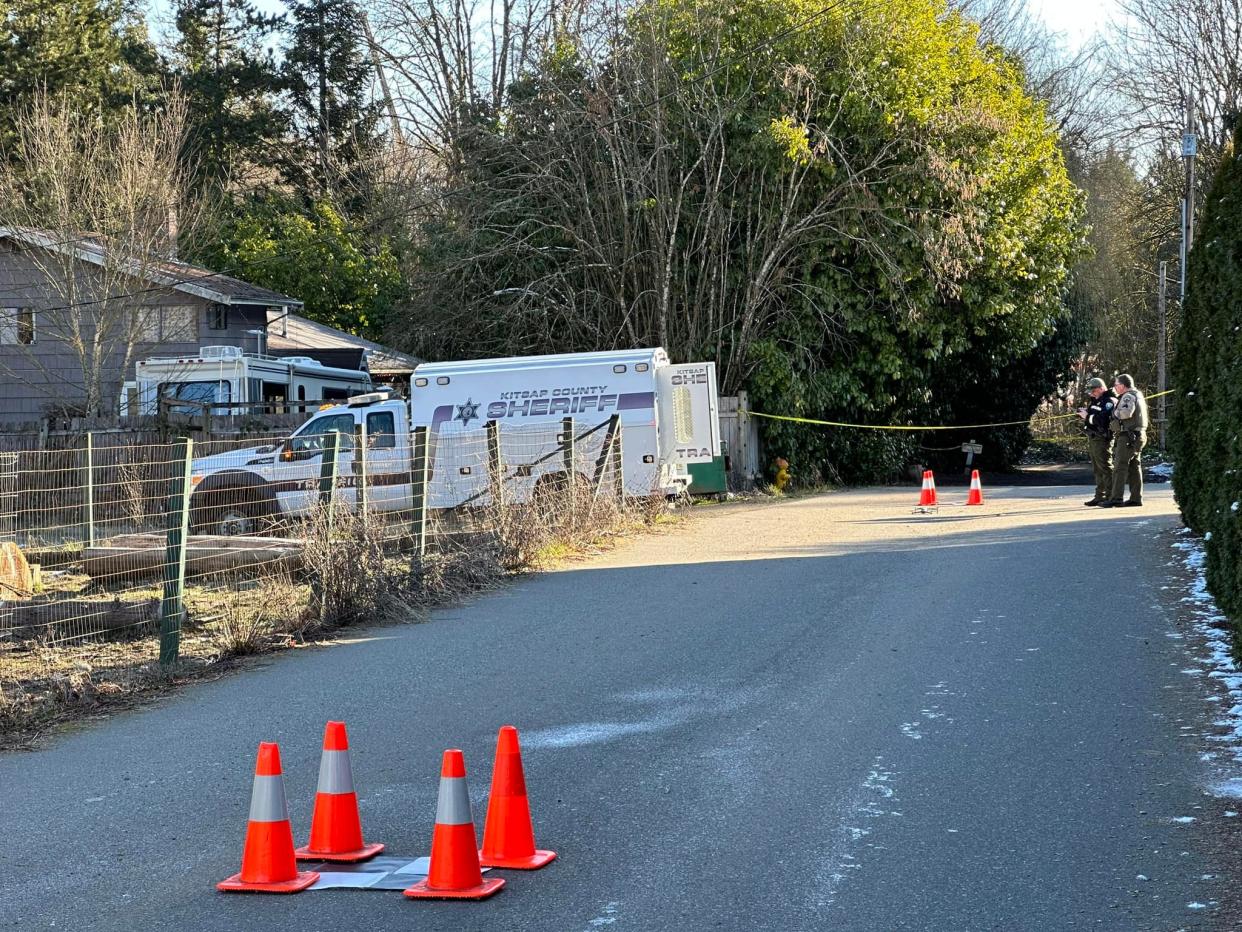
(310, 438)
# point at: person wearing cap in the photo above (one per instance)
(1129, 427)
(1097, 417)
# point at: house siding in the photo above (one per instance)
(47, 375)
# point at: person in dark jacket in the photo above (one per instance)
(1096, 417)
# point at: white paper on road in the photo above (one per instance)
(382, 873)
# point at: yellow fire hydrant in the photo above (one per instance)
(782, 473)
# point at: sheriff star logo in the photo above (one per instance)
(467, 412)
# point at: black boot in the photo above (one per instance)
(1134, 503)
(1112, 503)
(1095, 501)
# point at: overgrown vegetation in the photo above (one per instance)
(1206, 424)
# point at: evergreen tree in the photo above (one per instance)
(231, 82)
(328, 76)
(95, 51)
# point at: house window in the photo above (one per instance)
(218, 317)
(17, 326)
(179, 324)
(147, 325)
(175, 324)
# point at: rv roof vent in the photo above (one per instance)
(220, 352)
(302, 360)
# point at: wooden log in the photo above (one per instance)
(74, 618)
(141, 556)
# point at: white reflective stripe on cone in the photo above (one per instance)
(267, 800)
(335, 773)
(453, 807)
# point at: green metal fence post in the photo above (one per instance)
(327, 476)
(571, 468)
(618, 464)
(495, 468)
(419, 475)
(360, 469)
(90, 490)
(172, 607)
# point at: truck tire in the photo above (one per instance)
(231, 505)
(237, 520)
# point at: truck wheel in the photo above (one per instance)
(235, 521)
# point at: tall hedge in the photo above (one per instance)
(1206, 415)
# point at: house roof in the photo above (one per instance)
(167, 273)
(291, 332)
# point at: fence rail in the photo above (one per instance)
(146, 540)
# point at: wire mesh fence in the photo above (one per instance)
(230, 543)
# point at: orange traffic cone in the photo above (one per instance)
(455, 872)
(976, 489)
(508, 835)
(928, 496)
(336, 829)
(268, 865)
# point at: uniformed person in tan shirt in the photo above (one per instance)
(1129, 427)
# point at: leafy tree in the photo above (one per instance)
(328, 76)
(854, 219)
(345, 280)
(1206, 419)
(94, 51)
(230, 80)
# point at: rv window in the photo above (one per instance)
(381, 431)
(335, 394)
(204, 392)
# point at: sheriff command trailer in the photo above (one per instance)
(221, 375)
(662, 417)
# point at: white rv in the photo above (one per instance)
(661, 416)
(224, 375)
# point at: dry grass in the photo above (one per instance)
(355, 571)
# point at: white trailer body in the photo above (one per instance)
(224, 374)
(666, 415)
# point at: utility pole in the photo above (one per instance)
(1162, 335)
(1190, 147)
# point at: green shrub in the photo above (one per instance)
(1206, 414)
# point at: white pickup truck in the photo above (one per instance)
(666, 415)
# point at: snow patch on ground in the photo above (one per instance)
(1209, 626)
(1162, 471)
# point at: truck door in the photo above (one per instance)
(388, 467)
(689, 421)
(296, 476)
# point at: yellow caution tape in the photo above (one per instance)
(810, 420)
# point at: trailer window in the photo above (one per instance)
(381, 431)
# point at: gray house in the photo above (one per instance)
(74, 319)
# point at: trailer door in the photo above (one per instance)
(689, 422)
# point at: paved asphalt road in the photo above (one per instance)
(821, 714)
